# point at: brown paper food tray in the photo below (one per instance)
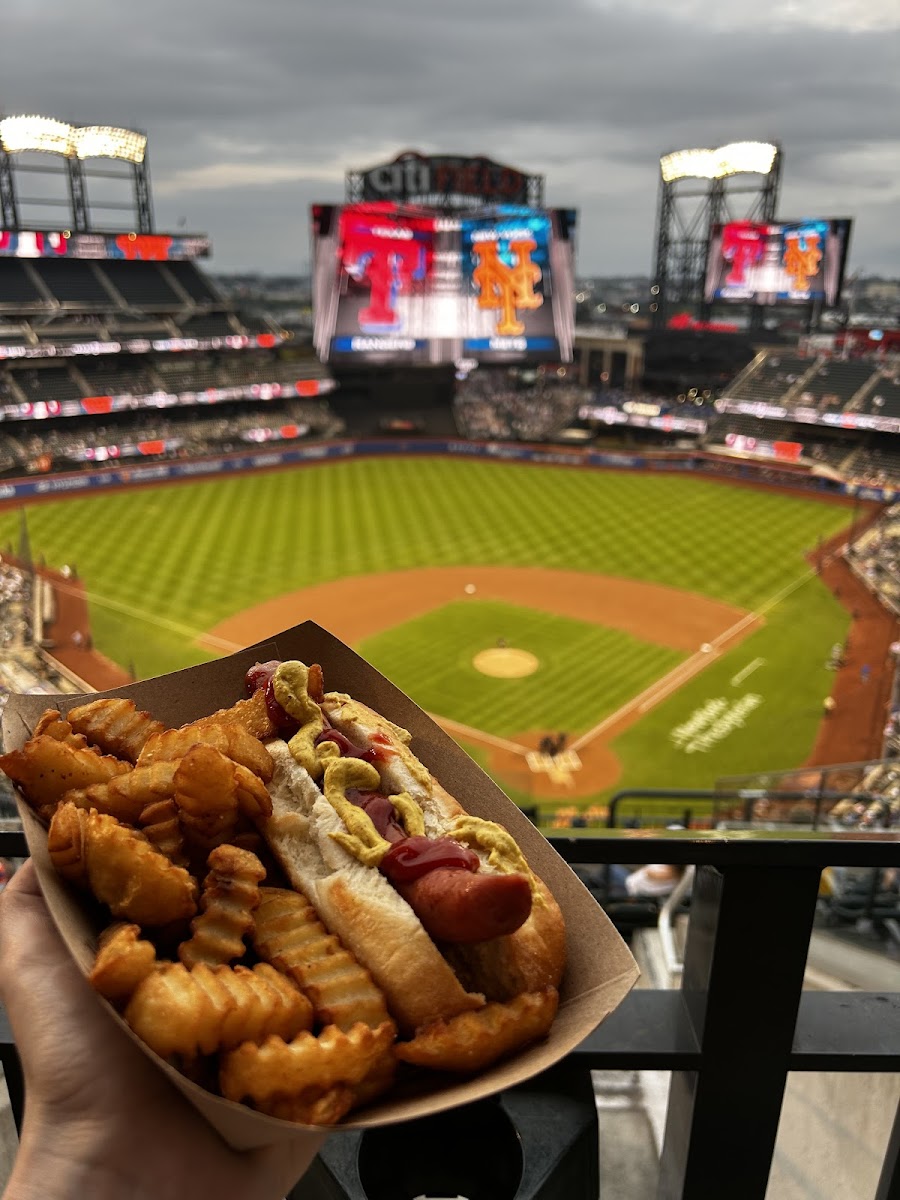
(600, 969)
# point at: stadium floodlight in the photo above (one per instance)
(105, 141)
(48, 136)
(18, 134)
(737, 158)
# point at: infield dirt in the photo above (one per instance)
(357, 607)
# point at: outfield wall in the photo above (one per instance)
(696, 462)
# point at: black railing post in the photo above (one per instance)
(748, 940)
(889, 1183)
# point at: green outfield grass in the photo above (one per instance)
(165, 564)
(586, 671)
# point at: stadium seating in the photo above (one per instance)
(18, 286)
(191, 374)
(835, 384)
(73, 283)
(141, 285)
(197, 287)
(213, 325)
(884, 399)
(14, 335)
(874, 465)
(47, 383)
(114, 376)
(771, 378)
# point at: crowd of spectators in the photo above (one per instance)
(24, 665)
(875, 806)
(64, 445)
(497, 404)
(875, 558)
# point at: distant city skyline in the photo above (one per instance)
(255, 112)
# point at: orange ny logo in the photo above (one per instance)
(507, 288)
(801, 258)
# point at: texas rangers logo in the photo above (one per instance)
(390, 267)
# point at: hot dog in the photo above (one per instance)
(440, 906)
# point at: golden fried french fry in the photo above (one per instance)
(124, 960)
(205, 794)
(161, 827)
(254, 799)
(277, 1069)
(127, 796)
(199, 1011)
(229, 737)
(120, 867)
(473, 1040)
(313, 1107)
(252, 714)
(288, 933)
(51, 724)
(378, 1080)
(212, 792)
(115, 725)
(230, 896)
(45, 769)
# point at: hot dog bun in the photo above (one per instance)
(357, 903)
(528, 960)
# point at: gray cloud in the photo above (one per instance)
(253, 111)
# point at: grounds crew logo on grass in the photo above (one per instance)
(713, 722)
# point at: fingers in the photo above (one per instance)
(27, 936)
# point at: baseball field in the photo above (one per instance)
(670, 626)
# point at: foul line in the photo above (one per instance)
(479, 736)
(680, 675)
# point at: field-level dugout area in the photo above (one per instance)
(165, 567)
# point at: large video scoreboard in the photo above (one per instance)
(400, 283)
(777, 262)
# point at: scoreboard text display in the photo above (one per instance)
(396, 283)
(778, 262)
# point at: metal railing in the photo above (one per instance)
(740, 1020)
(743, 800)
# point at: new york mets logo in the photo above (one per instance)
(802, 255)
(507, 288)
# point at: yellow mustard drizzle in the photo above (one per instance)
(362, 839)
(504, 856)
(411, 816)
(291, 686)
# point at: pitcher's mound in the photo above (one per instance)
(505, 662)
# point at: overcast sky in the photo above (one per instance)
(255, 108)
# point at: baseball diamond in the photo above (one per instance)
(642, 598)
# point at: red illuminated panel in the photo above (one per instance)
(387, 252)
(266, 340)
(743, 244)
(145, 246)
(155, 447)
(788, 450)
(307, 387)
(97, 405)
(290, 431)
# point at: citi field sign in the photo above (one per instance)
(441, 179)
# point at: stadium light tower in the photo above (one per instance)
(699, 189)
(75, 147)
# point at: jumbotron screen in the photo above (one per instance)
(394, 283)
(777, 262)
